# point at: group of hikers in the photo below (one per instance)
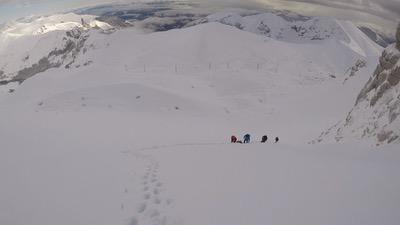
(246, 139)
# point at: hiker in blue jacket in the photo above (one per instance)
(246, 138)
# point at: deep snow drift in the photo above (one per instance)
(140, 134)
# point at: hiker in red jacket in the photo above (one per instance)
(233, 139)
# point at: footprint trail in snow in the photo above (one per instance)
(151, 210)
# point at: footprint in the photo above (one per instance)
(169, 201)
(157, 201)
(146, 196)
(141, 208)
(156, 191)
(154, 213)
(134, 221)
(153, 180)
(146, 188)
(159, 184)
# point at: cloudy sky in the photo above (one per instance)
(384, 13)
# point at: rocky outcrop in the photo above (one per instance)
(398, 37)
(41, 66)
(376, 114)
(73, 43)
(386, 76)
(352, 71)
(50, 42)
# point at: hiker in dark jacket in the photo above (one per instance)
(276, 140)
(233, 139)
(264, 139)
(246, 138)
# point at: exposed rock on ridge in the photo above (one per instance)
(376, 114)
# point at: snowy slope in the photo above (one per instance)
(242, 71)
(359, 42)
(139, 135)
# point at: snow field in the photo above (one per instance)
(113, 143)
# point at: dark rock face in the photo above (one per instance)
(385, 79)
(41, 66)
(398, 37)
(386, 75)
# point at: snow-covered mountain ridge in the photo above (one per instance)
(377, 36)
(37, 44)
(291, 27)
(375, 115)
(140, 135)
(167, 15)
(284, 26)
(32, 46)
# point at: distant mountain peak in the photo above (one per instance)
(378, 37)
